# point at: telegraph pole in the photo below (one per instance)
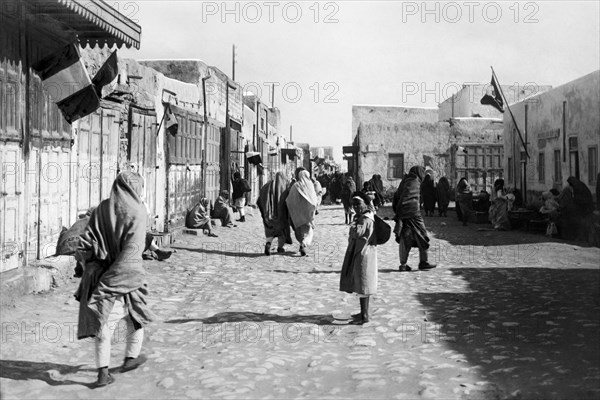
(233, 64)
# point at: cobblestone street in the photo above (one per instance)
(505, 315)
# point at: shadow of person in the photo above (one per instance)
(247, 316)
(388, 270)
(216, 251)
(51, 373)
(283, 271)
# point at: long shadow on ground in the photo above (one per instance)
(532, 330)
(213, 248)
(50, 373)
(282, 271)
(247, 316)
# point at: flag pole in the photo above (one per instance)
(162, 119)
(510, 112)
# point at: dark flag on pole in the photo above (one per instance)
(66, 79)
(171, 123)
(495, 98)
(106, 74)
(253, 157)
(497, 101)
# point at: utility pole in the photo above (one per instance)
(291, 140)
(233, 64)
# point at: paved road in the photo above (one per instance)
(505, 315)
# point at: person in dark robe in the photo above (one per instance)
(377, 187)
(240, 188)
(336, 185)
(584, 206)
(114, 285)
(464, 200)
(428, 195)
(518, 201)
(410, 227)
(272, 207)
(359, 269)
(347, 190)
(443, 196)
(483, 201)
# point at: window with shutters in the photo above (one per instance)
(541, 168)
(592, 165)
(557, 167)
(396, 166)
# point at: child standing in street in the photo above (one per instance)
(359, 270)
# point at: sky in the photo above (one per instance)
(326, 56)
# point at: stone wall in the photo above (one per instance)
(386, 115)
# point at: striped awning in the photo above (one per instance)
(93, 21)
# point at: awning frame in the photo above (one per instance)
(94, 22)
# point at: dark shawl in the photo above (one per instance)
(272, 207)
(377, 187)
(112, 247)
(428, 193)
(285, 216)
(414, 233)
(442, 191)
(69, 240)
(566, 201)
(582, 196)
(240, 186)
(568, 217)
(498, 185)
(347, 190)
(464, 197)
(377, 183)
(407, 197)
(336, 185)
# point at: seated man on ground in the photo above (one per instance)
(198, 217)
(222, 211)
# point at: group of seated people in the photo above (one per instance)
(203, 216)
(576, 218)
(570, 213)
